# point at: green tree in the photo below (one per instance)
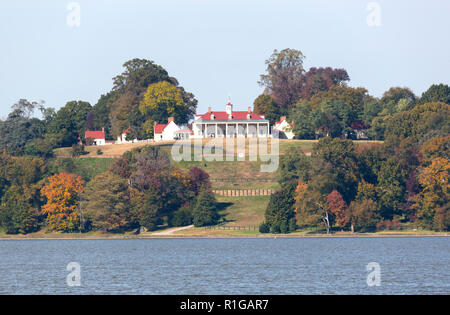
(69, 122)
(205, 210)
(280, 209)
(19, 129)
(18, 210)
(392, 97)
(436, 93)
(107, 203)
(265, 105)
(304, 124)
(342, 158)
(128, 92)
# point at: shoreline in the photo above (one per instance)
(274, 236)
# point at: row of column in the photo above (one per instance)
(236, 130)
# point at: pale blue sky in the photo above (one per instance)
(215, 47)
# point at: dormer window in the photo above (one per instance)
(230, 117)
(213, 117)
(249, 116)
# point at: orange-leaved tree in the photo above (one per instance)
(62, 193)
(338, 207)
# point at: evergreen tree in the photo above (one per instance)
(205, 211)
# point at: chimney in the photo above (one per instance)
(209, 109)
(249, 109)
(169, 120)
(282, 118)
(154, 124)
(103, 129)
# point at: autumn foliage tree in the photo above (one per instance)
(432, 203)
(338, 208)
(62, 193)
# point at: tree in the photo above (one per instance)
(25, 108)
(342, 158)
(62, 193)
(354, 98)
(157, 188)
(162, 100)
(265, 105)
(69, 122)
(18, 210)
(20, 184)
(147, 129)
(304, 124)
(436, 93)
(128, 91)
(19, 129)
(363, 215)
(101, 112)
(419, 123)
(199, 179)
(121, 167)
(322, 79)
(182, 217)
(438, 146)
(432, 202)
(284, 75)
(395, 95)
(107, 203)
(338, 208)
(90, 120)
(280, 209)
(294, 166)
(205, 210)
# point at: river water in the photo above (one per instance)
(227, 266)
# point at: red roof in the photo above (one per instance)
(279, 122)
(235, 116)
(159, 128)
(94, 134)
(126, 131)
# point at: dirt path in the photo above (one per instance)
(171, 231)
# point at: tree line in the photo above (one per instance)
(143, 94)
(141, 189)
(320, 103)
(344, 185)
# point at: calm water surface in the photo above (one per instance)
(227, 266)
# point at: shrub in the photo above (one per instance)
(181, 217)
(275, 228)
(77, 150)
(264, 228)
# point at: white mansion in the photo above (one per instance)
(230, 124)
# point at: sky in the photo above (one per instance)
(216, 48)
